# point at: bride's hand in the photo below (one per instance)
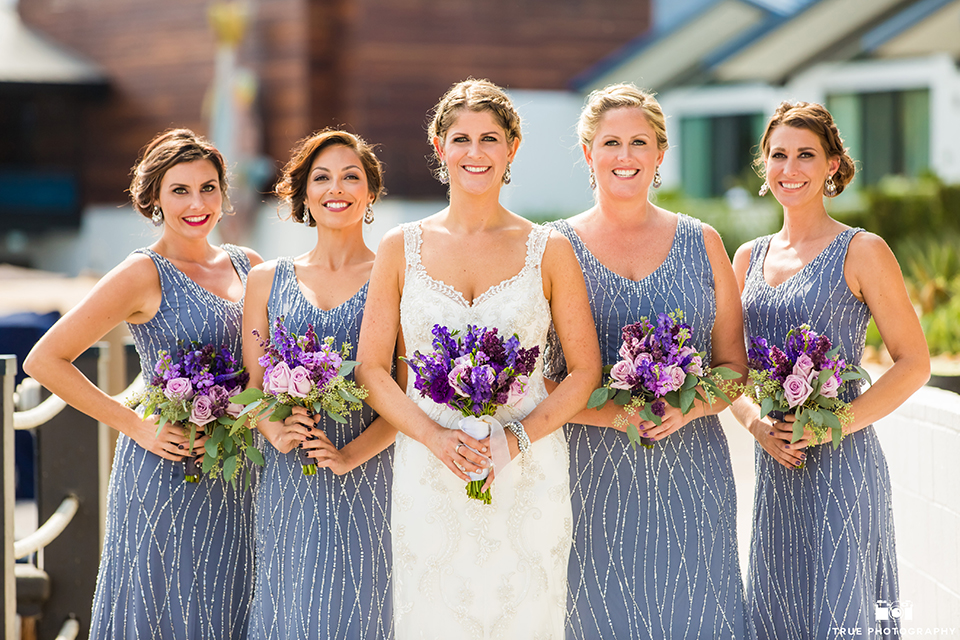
(450, 446)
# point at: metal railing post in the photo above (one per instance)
(8, 586)
(69, 461)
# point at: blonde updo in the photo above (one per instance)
(615, 96)
(815, 118)
(473, 95)
(292, 186)
(166, 150)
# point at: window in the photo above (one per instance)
(717, 152)
(887, 132)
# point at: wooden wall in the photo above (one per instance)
(374, 66)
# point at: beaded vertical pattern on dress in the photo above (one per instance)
(323, 541)
(177, 557)
(822, 553)
(654, 531)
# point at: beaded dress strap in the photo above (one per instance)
(536, 245)
(412, 240)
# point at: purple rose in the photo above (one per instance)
(179, 388)
(622, 374)
(202, 412)
(218, 394)
(234, 409)
(696, 366)
(796, 389)
(830, 387)
(626, 352)
(803, 367)
(278, 380)
(459, 374)
(300, 383)
(674, 376)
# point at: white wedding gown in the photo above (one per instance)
(463, 569)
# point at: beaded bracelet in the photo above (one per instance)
(523, 440)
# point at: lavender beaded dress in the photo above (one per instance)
(177, 557)
(654, 531)
(322, 541)
(822, 554)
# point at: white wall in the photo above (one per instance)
(922, 443)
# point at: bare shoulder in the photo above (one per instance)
(868, 246)
(391, 245)
(558, 248)
(261, 274)
(252, 256)
(712, 239)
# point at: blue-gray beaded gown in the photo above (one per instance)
(323, 541)
(654, 531)
(177, 557)
(822, 553)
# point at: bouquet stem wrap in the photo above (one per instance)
(481, 427)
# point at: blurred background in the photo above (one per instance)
(84, 84)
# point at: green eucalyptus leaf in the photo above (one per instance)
(633, 434)
(863, 372)
(650, 416)
(229, 467)
(816, 417)
(687, 397)
(346, 367)
(229, 445)
(349, 397)
(248, 397)
(833, 352)
(598, 398)
(797, 431)
(336, 417)
(825, 375)
(226, 420)
(253, 455)
(280, 412)
(831, 420)
(217, 436)
(690, 381)
(209, 462)
(837, 435)
(672, 398)
(607, 369)
(766, 406)
(725, 373)
(211, 448)
(622, 397)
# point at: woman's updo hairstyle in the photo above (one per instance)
(615, 96)
(166, 150)
(292, 186)
(473, 95)
(812, 117)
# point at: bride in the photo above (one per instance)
(462, 568)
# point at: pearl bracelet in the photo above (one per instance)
(523, 440)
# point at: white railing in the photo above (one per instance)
(50, 529)
(46, 410)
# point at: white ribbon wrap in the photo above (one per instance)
(480, 428)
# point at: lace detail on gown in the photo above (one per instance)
(462, 568)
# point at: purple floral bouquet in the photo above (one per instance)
(302, 371)
(804, 378)
(194, 388)
(475, 373)
(659, 365)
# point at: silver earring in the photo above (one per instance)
(656, 179)
(831, 187)
(306, 216)
(763, 189)
(593, 179)
(506, 175)
(368, 214)
(157, 216)
(443, 176)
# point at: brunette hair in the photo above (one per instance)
(166, 150)
(815, 118)
(615, 96)
(292, 186)
(473, 95)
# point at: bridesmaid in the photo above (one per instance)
(822, 553)
(177, 561)
(323, 541)
(654, 532)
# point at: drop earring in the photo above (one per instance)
(763, 190)
(306, 216)
(443, 176)
(656, 179)
(593, 179)
(831, 187)
(157, 216)
(506, 175)
(368, 214)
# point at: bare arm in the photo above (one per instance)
(874, 276)
(566, 290)
(378, 337)
(130, 292)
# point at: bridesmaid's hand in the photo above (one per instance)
(445, 445)
(287, 435)
(322, 449)
(775, 439)
(671, 421)
(169, 443)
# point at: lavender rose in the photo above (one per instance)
(830, 387)
(278, 380)
(300, 383)
(234, 409)
(796, 389)
(202, 412)
(518, 390)
(675, 375)
(179, 388)
(622, 374)
(804, 367)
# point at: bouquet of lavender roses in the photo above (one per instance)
(476, 373)
(803, 378)
(194, 388)
(658, 364)
(304, 371)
